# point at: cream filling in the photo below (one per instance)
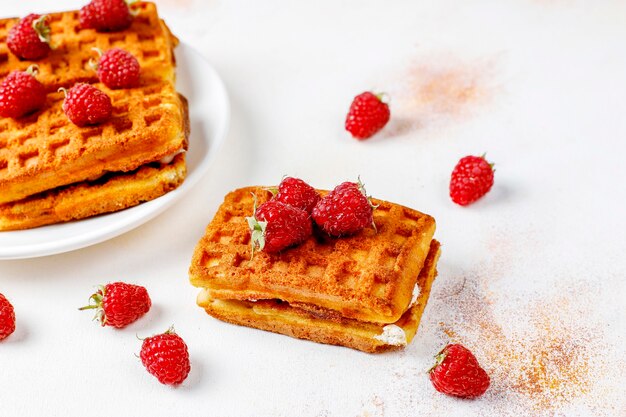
(167, 159)
(416, 293)
(392, 335)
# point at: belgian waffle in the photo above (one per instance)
(281, 317)
(368, 277)
(112, 192)
(44, 150)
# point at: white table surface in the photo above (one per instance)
(531, 277)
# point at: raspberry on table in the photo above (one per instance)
(30, 38)
(346, 210)
(367, 115)
(105, 15)
(457, 373)
(118, 68)
(276, 226)
(118, 304)
(166, 357)
(21, 93)
(471, 178)
(86, 105)
(7, 318)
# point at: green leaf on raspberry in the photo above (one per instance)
(42, 29)
(257, 230)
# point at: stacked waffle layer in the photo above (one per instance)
(52, 170)
(366, 291)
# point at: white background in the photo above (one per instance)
(538, 85)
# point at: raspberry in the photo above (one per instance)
(30, 37)
(105, 15)
(118, 304)
(86, 105)
(297, 193)
(21, 93)
(367, 115)
(471, 179)
(7, 318)
(166, 357)
(457, 373)
(118, 69)
(345, 210)
(276, 226)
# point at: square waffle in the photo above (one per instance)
(367, 277)
(280, 317)
(44, 150)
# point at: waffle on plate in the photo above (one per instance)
(341, 291)
(44, 151)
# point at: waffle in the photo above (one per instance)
(281, 317)
(110, 193)
(43, 151)
(368, 277)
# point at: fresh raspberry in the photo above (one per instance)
(367, 115)
(86, 105)
(471, 179)
(105, 15)
(118, 69)
(7, 318)
(276, 226)
(166, 357)
(21, 93)
(297, 193)
(30, 37)
(457, 372)
(345, 210)
(118, 304)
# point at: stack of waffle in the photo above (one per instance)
(53, 171)
(366, 291)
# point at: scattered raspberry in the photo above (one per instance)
(118, 304)
(297, 193)
(86, 105)
(276, 226)
(118, 69)
(367, 115)
(105, 15)
(7, 318)
(21, 93)
(345, 210)
(471, 179)
(458, 373)
(30, 37)
(166, 357)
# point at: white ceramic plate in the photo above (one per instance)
(209, 112)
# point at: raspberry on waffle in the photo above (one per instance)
(45, 153)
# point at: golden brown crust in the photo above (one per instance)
(369, 276)
(113, 192)
(281, 317)
(44, 150)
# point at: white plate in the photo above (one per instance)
(209, 113)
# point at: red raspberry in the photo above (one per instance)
(471, 179)
(276, 226)
(86, 105)
(118, 304)
(118, 69)
(367, 115)
(105, 15)
(7, 318)
(345, 210)
(297, 193)
(458, 373)
(21, 93)
(30, 37)
(166, 357)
